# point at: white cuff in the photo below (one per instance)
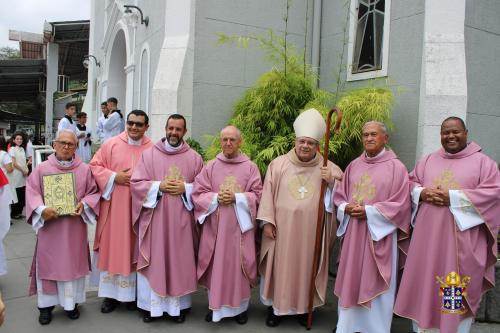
(213, 206)
(415, 200)
(343, 218)
(186, 196)
(378, 225)
(110, 186)
(37, 221)
(88, 215)
(152, 196)
(328, 199)
(466, 215)
(243, 212)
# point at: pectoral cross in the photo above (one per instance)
(302, 190)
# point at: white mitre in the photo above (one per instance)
(311, 124)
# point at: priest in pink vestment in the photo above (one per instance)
(226, 195)
(373, 209)
(62, 260)
(114, 271)
(289, 215)
(162, 215)
(455, 194)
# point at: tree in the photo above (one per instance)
(7, 52)
(266, 112)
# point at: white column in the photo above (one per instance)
(443, 82)
(52, 71)
(90, 104)
(172, 90)
(129, 91)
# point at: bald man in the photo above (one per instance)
(226, 195)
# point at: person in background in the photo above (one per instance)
(18, 177)
(5, 200)
(84, 141)
(100, 121)
(2, 311)
(114, 124)
(67, 121)
(7, 167)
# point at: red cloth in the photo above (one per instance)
(3, 179)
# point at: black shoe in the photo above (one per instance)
(272, 320)
(73, 314)
(146, 317)
(208, 317)
(109, 305)
(302, 318)
(242, 318)
(182, 316)
(45, 316)
(131, 306)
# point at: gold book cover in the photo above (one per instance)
(59, 192)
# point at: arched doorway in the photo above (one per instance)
(117, 79)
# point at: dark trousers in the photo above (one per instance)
(17, 208)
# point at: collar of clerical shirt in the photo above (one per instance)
(374, 157)
(64, 163)
(172, 149)
(134, 142)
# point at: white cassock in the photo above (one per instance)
(113, 125)
(100, 128)
(84, 150)
(66, 124)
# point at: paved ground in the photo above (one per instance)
(22, 315)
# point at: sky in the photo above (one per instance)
(29, 15)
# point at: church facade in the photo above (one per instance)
(437, 56)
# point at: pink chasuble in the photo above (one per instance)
(438, 247)
(114, 237)
(226, 258)
(365, 267)
(290, 202)
(62, 250)
(167, 233)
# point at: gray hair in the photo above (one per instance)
(66, 131)
(374, 122)
(238, 132)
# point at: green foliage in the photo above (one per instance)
(196, 146)
(358, 107)
(7, 52)
(266, 112)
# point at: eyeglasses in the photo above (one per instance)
(136, 123)
(70, 145)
